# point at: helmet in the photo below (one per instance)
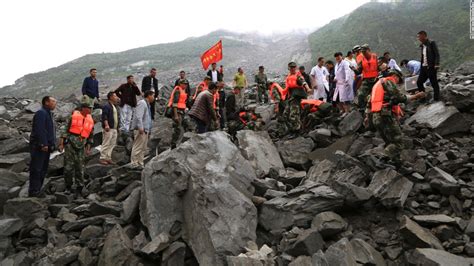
(292, 64)
(86, 101)
(396, 72)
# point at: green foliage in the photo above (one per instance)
(393, 27)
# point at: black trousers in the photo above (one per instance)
(38, 169)
(152, 109)
(430, 73)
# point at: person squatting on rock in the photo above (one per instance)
(203, 112)
(42, 144)
(177, 107)
(141, 125)
(383, 105)
(76, 141)
(314, 112)
(110, 122)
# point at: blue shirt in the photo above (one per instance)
(413, 67)
(43, 132)
(90, 87)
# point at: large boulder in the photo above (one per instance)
(258, 148)
(462, 97)
(443, 182)
(117, 249)
(15, 162)
(294, 152)
(435, 257)
(203, 187)
(417, 236)
(299, 206)
(466, 68)
(27, 209)
(443, 119)
(351, 123)
(13, 145)
(390, 188)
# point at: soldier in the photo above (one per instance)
(177, 102)
(383, 105)
(76, 141)
(368, 66)
(297, 91)
(261, 80)
(314, 112)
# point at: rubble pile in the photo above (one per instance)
(327, 197)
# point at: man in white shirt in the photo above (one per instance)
(319, 80)
(392, 64)
(213, 73)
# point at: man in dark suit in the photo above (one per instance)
(150, 82)
(429, 64)
(214, 74)
(42, 143)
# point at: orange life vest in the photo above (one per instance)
(377, 99)
(216, 99)
(80, 125)
(281, 91)
(292, 81)
(242, 117)
(182, 98)
(370, 68)
(359, 58)
(314, 104)
(204, 88)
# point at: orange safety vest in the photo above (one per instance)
(204, 88)
(359, 58)
(314, 104)
(283, 92)
(182, 98)
(242, 116)
(216, 99)
(370, 68)
(80, 125)
(377, 99)
(292, 81)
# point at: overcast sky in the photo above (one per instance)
(38, 35)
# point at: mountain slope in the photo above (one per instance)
(246, 50)
(393, 27)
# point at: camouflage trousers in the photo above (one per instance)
(234, 126)
(364, 91)
(292, 115)
(178, 130)
(73, 165)
(262, 93)
(390, 131)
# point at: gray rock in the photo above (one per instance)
(157, 244)
(19, 259)
(466, 68)
(351, 123)
(462, 97)
(117, 249)
(242, 261)
(443, 119)
(321, 172)
(434, 219)
(33, 107)
(130, 205)
(299, 207)
(319, 259)
(85, 257)
(15, 162)
(82, 223)
(307, 243)
(365, 254)
(174, 255)
(7, 132)
(435, 257)
(353, 195)
(390, 188)
(202, 188)
(328, 223)
(128, 190)
(64, 256)
(301, 261)
(295, 152)
(14, 145)
(106, 207)
(91, 232)
(27, 209)
(266, 112)
(417, 236)
(470, 228)
(258, 148)
(341, 253)
(442, 181)
(343, 144)
(9, 226)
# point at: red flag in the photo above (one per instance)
(213, 55)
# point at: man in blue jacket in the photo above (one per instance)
(90, 86)
(42, 143)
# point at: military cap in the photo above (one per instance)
(87, 102)
(292, 64)
(365, 47)
(392, 72)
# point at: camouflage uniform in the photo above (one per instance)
(385, 121)
(277, 100)
(364, 91)
(74, 156)
(292, 113)
(262, 94)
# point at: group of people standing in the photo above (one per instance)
(302, 102)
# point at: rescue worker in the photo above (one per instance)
(383, 105)
(202, 86)
(177, 102)
(76, 141)
(261, 80)
(368, 67)
(298, 90)
(278, 96)
(314, 112)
